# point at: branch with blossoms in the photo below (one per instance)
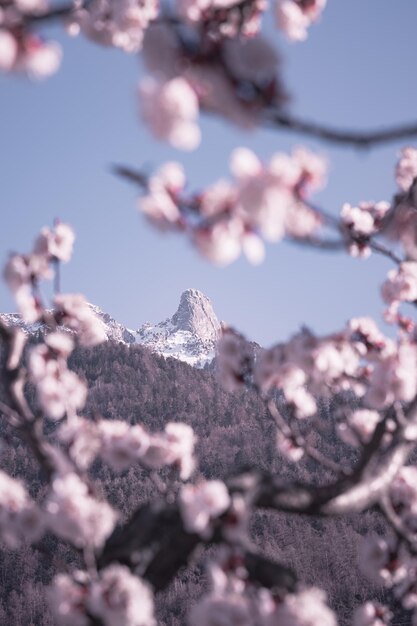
(272, 201)
(126, 564)
(200, 56)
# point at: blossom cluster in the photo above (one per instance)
(389, 562)
(116, 598)
(295, 17)
(265, 201)
(360, 359)
(236, 79)
(74, 514)
(22, 273)
(21, 50)
(20, 518)
(401, 226)
(220, 18)
(120, 24)
(233, 599)
(121, 445)
(361, 223)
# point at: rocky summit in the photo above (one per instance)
(190, 335)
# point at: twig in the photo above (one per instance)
(358, 139)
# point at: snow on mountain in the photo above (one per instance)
(190, 335)
(113, 329)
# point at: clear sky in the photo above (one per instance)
(58, 139)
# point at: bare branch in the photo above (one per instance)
(355, 139)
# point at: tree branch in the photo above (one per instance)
(356, 139)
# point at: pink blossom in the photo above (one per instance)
(357, 220)
(217, 199)
(401, 284)
(59, 390)
(40, 59)
(289, 448)
(403, 493)
(173, 447)
(253, 248)
(294, 17)
(171, 110)
(57, 243)
(306, 608)
(371, 614)
(119, 598)
(228, 609)
(83, 439)
(160, 205)
(379, 561)
(75, 515)
(121, 444)
(367, 336)
(360, 427)
(60, 343)
(121, 24)
(406, 170)
(394, 377)
(301, 221)
(200, 504)
(21, 271)
(221, 243)
(31, 6)
(20, 519)
(27, 304)
(222, 18)
(75, 313)
(67, 596)
(8, 50)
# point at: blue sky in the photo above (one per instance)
(59, 138)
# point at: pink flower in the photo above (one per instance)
(20, 519)
(171, 110)
(221, 243)
(8, 50)
(160, 205)
(82, 437)
(294, 17)
(173, 447)
(227, 609)
(406, 170)
(57, 243)
(59, 390)
(289, 448)
(371, 614)
(359, 428)
(40, 59)
(74, 312)
(67, 596)
(200, 504)
(75, 515)
(121, 599)
(121, 444)
(394, 377)
(121, 24)
(379, 562)
(306, 608)
(401, 284)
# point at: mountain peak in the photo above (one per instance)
(190, 335)
(196, 315)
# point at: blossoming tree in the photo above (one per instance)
(209, 55)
